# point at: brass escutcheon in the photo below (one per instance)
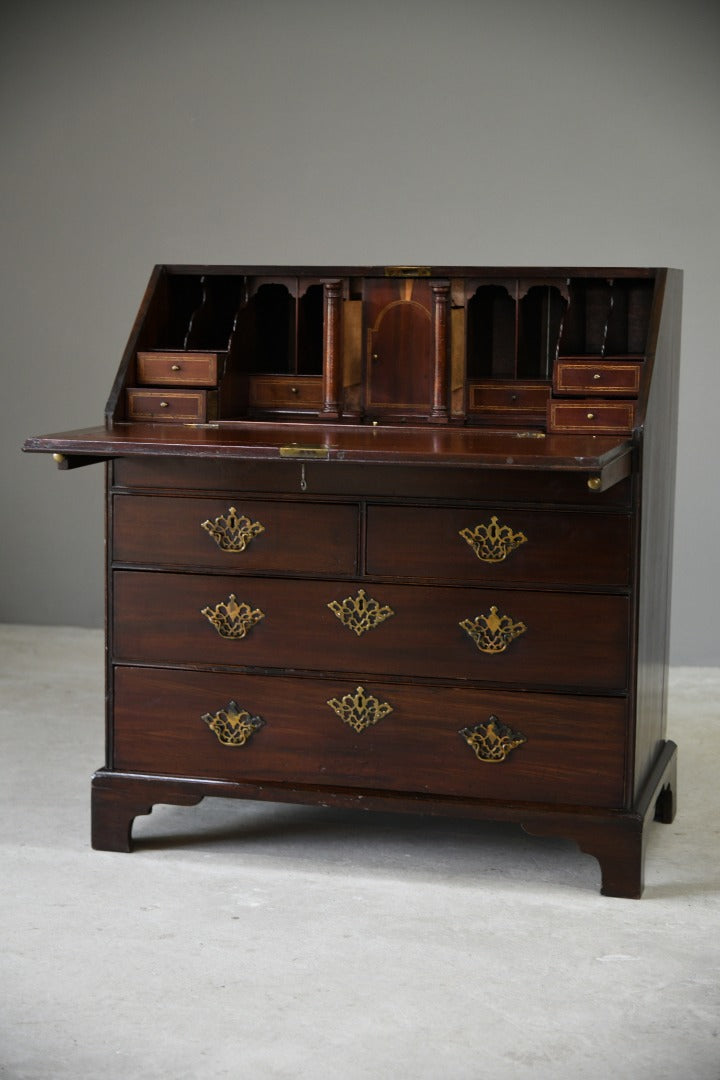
(360, 613)
(233, 725)
(232, 531)
(492, 633)
(493, 543)
(359, 710)
(232, 618)
(491, 740)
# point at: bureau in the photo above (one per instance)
(393, 538)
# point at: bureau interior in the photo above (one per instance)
(413, 347)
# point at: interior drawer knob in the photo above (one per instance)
(492, 633)
(233, 725)
(232, 531)
(232, 618)
(493, 543)
(491, 740)
(360, 710)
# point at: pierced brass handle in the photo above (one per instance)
(359, 710)
(493, 543)
(360, 613)
(491, 740)
(492, 633)
(233, 725)
(233, 619)
(232, 531)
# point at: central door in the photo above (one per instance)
(399, 347)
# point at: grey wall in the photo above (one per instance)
(524, 131)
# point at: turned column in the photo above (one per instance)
(441, 304)
(332, 350)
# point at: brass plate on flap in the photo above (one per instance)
(407, 271)
(305, 453)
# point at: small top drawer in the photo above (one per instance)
(283, 392)
(581, 377)
(503, 396)
(177, 369)
(476, 545)
(235, 535)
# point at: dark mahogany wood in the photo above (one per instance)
(446, 589)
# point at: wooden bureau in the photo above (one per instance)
(393, 538)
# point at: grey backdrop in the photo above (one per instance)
(524, 131)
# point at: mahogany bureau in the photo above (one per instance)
(393, 538)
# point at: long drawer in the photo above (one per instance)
(542, 747)
(235, 534)
(528, 639)
(479, 546)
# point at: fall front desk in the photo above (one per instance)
(393, 538)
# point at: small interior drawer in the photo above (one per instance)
(284, 392)
(578, 377)
(580, 417)
(177, 369)
(501, 396)
(190, 406)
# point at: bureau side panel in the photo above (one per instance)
(658, 454)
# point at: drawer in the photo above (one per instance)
(526, 639)
(481, 546)
(235, 534)
(190, 406)
(581, 377)
(536, 748)
(499, 396)
(580, 417)
(177, 369)
(281, 392)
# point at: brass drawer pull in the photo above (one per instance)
(232, 532)
(492, 633)
(232, 725)
(359, 710)
(232, 619)
(360, 613)
(493, 543)
(491, 740)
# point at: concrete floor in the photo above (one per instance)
(282, 943)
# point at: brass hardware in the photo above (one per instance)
(491, 740)
(528, 434)
(232, 619)
(596, 375)
(360, 613)
(175, 367)
(59, 459)
(594, 483)
(492, 633)
(591, 416)
(493, 543)
(407, 271)
(232, 725)
(164, 404)
(294, 390)
(359, 710)
(232, 532)
(320, 453)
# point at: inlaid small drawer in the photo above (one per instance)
(188, 406)
(177, 369)
(578, 377)
(281, 392)
(528, 639)
(582, 417)
(235, 534)
(482, 545)
(503, 396)
(370, 734)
